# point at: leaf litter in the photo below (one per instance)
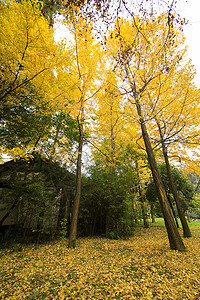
(141, 267)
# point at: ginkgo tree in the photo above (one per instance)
(28, 50)
(144, 49)
(114, 142)
(86, 70)
(31, 91)
(168, 103)
(28, 54)
(108, 122)
(171, 118)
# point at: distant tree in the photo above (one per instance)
(104, 209)
(184, 188)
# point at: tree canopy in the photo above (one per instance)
(123, 88)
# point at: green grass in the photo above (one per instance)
(195, 224)
(160, 222)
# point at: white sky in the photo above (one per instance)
(190, 9)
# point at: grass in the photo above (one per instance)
(193, 224)
(141, 267)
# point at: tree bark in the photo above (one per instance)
(152, 213)
(173, 211)
(188, 216)
(135, 212)
(175, 240)
(74, 221)
(146, 224)
(186, 230)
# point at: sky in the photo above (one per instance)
(190, 9)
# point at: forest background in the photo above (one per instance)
(122, 85)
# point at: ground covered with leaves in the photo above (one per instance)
(142, 267)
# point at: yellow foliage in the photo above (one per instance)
(29, 59)
(86, 65)
(18, 152)
(149, 59)
(28, 51)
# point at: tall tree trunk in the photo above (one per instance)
(173, 211)
(146, 225)
(135, 212)
(112, 172)
(175, 240)
(152, 213)
(186, 230)
(74, 221)
(188, 216)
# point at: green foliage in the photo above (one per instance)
(152, 197)
(195, 204)
(106, 206)
(184, 188)
(7, 236)
(63, 230)
(24, 121)
(50, 9)
(113, 235)
(28, 121)
(62, 134)
(194, 179)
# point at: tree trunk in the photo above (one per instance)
(188, 216)
(152, 213)
(175, 240)
(146, 224)
(186, 230)
(173, 211)
(74, 221)
(135, 212)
